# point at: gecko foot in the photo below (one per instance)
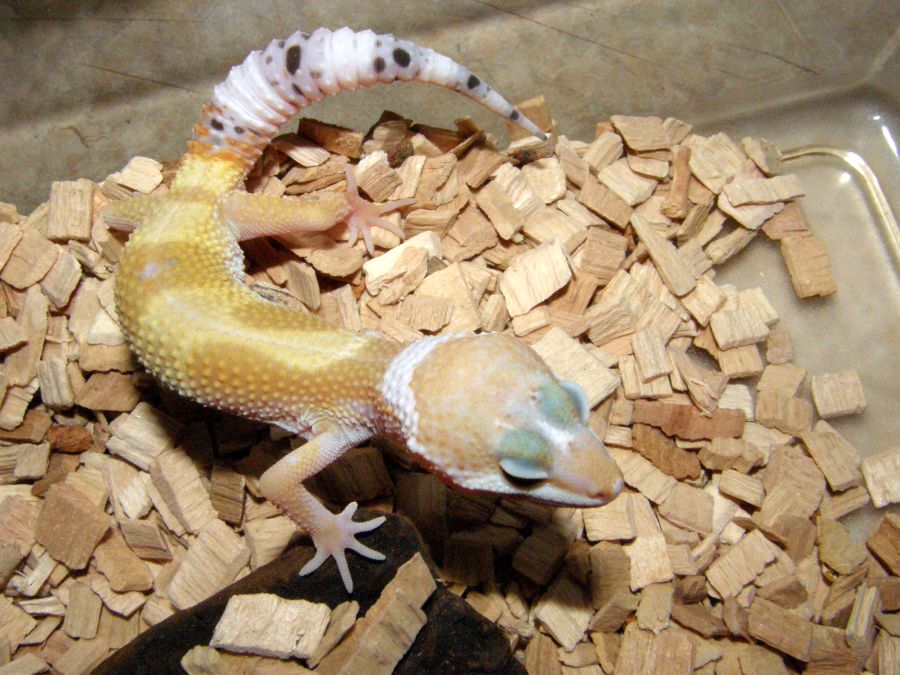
(365, 215)
(340, 536)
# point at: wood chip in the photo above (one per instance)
(573, 362)
(704, 385)
(601, 255)
(837, 549)
(20, 366)
(142, 435)
(676, 201)
(838, 460)
(698, 618)
(61, 281)
(541, 554)
(650, 562)
(267, 538)
(267, 625)
(332, 137)
(27, 664)
(839, 505)
(534, 276)
(788, 592)
(655, 607)
(121, 566)
(673, 269)
(786, 413)
(690, 508)
(605, 203)
(838, 394)
(14, 623)
(715, 160)
(786, 378)
(687, 422)
(664, 453)
(651, 167)
(788, 222)
(642, 133)
(381, 638)
(627, 185)
(564, 611)
(603, 151)
(82, 657)
(178, 481)
(704, 300)
(722, 454)
(30, 261)
(145, 539)
(781, 629)
(884, 542)
(541, 657)
(499, 208)
(71, 210)
(650, 354)
(643, 476)
(141, 174)
(740, 362)
(641, 652)
(634, 384)
(31, 461)
(738, 327)
(614, 521)
(860, 631)
(882, 474)
(212, 561)
(764, 190)
(737, 485)
(808, 265)
(70, 525)
(109, 392)
(11, 334)
(741, 564)
(82, 612)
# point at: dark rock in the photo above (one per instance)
(456, 638)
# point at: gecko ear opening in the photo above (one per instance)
(579, 398)
(522, 469)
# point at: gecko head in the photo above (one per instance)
(487, 415)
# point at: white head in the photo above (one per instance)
(486, 414)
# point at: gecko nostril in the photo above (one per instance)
(608, 495)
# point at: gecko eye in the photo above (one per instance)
(522, 471)
(563, 404)
(579, 398)
(525, 455)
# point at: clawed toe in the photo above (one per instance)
(340, 536)
(365, 215)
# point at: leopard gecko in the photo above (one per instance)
(482, 412)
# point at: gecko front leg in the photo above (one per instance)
(332, 534)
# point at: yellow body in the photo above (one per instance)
(215, 340)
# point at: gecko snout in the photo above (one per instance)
(608, 494)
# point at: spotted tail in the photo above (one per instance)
(271, 85)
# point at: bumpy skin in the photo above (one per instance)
(482, 412)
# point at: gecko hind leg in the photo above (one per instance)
(258, 215)
(126, 214)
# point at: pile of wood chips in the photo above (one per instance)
(121, 504)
